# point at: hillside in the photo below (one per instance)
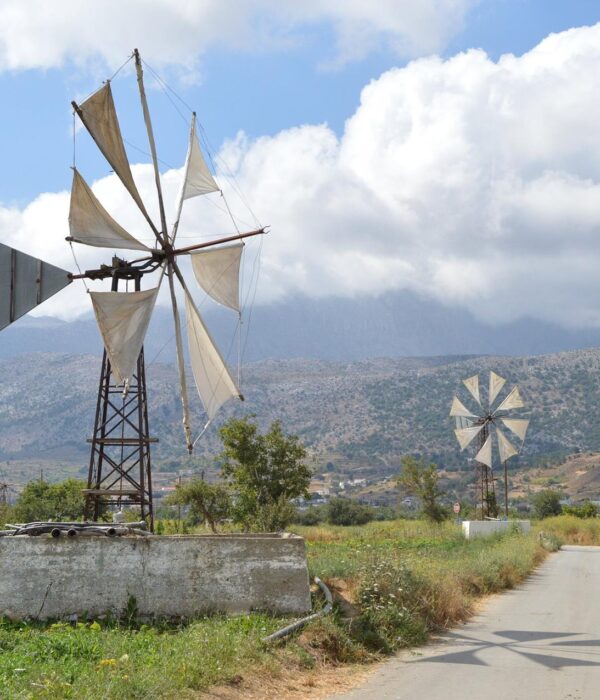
(357, 417)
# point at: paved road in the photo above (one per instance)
(541, 641)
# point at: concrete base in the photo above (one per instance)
(485, 528)
(41, 577)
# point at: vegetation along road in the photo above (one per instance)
(541, 640)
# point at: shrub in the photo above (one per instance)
(547, 503)
(343, 511)
(587, 509)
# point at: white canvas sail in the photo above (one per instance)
(123, 319)
(513, 400)
(217, 271)
(90, 223)
(197, 178)
(484, 456)
(505, 447)
(472, 384)
(213, 380)
(517, 425)
(466, 435)
(459, 409)
(496, 384)
(100, 118)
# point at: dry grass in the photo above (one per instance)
(572, 530)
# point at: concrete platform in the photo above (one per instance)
(485, 528)
(180, 576)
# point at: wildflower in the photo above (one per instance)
(108, 662)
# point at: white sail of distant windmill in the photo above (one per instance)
(488, 421)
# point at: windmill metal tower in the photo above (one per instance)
(479, 424)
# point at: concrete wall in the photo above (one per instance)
(485, 528)
(169, 576)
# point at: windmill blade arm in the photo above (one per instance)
(164, 237)
(180, 363)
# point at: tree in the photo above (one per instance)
(343, 511)
(40, 500)
(546, 503)
(421, 480)
(265, 470)
(209, 503)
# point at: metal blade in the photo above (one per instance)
(25, 282)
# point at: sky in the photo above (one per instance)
(447, 147)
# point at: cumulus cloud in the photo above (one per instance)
(41, 34)
(470, 181)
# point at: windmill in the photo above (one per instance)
(485, 422)
(120, 467)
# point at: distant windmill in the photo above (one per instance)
(479, 424)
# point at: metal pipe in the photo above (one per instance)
(285, 631)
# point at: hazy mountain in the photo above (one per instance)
(362, 416)
(393, 325)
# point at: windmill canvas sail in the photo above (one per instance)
(505, 447)
(472, 384)
(100, 118)
(198, 179)
(484, 456)
(123, 319)
(466, 435)
(212, 377)
(459, 409)
(90, 223)
(513, 400)
(25, 282)
(517, 425)
(496, 384)
(217, 271)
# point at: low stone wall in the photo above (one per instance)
(41, 577)
(485, 528)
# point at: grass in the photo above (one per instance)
(394, 582)
(572, 530)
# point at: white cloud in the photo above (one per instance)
(473, 182)
(42, 34)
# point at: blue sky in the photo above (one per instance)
(259, 91)
(385, 150)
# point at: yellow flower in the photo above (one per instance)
(108, 662)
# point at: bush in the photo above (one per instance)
(313, 515)
(547, 503)
(587, 509)
(40, 500)
(343, 511)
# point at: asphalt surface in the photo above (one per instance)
(539, 641)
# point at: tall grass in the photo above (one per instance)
(572, 530)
